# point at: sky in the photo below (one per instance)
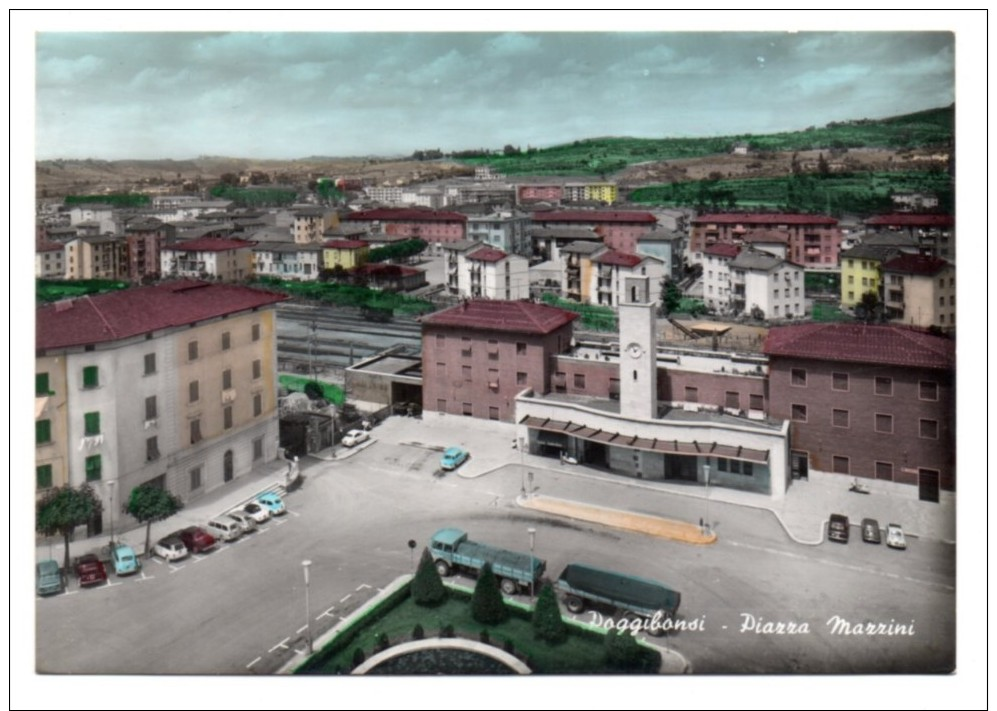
(296, 94)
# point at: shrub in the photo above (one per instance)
(427, 586)
(484, 637)
(358, 657)
(383, 642)
(446, 631)
(487, 606)
(418, 632)
(547, 622)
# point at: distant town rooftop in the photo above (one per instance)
(911, 219)
(590, 216)
(763, 218)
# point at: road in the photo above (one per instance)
(240, 609)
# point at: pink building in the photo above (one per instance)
(813, 240)
(619, 230)
(433, 226)
(476, 357)
(539, 193)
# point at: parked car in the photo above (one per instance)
(355, 437)
(453, 458)
(170, 548)
(870, 531)
(257, 511)
(273, 502)
(837, 528)
(224, 529)
(895, 536)
(197, 539)
(48, 578)
(124, 559)
(89, 570)
(246, 522)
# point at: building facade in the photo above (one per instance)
(172, 385)
(433, 226)
(287, 260)
(934, 233)
(345, 253)
(223, 259)
(96, 257)
(619, 230)
(919, 290)
(762, 283)
(50, 261)
(504, 230)
(814, 240)
(861, 272)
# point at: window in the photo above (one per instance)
(41, 384)
(226, 341)
(927, 390)
(798, 413)
(839, 381)
(493, 378)
(90, 377)
(928, 429)
(440, 339)
(227, 416)
(559, 382)
(839, 418)
(192, 350)
(150, 408)
(691, 393)
(580, 380)
(884, 423)
(884, 470)
(756, 402)
(91, 424)
(465, 371)
(195, 478)
(441, 405)
(43, 476)
(195, 431)
(732, 399)
(150, 363)
(520, 378)
(193, 391)
(257, 369)
(468, 409)
(884, 386)
(493, 413)
(798, 377)
(43, 431)
(257, 449)
(256, 332)
(92, 467)
(520, 349)
(257, 404)
(840, 465)
(227, 379)
(151, 449)
(851, 280)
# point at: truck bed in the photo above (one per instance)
(507, 564)
(617, 588)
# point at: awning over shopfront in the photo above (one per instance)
(669, 446)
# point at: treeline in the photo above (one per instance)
(115, 199)
(400, 250)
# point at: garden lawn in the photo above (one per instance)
(332, 393)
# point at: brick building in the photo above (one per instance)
(618, 229)
(934, 233)
(433, 226)
(867, 401)
(814, 240)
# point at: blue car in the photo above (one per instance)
(124, 559)
(453, 458)
(272, 502)
(49, 578)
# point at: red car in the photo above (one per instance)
(89, 570)
(196, 539)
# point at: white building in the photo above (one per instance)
(223, 259)
(765, 282)
(286, 260)
(474, 270)
(610, 271)
(50, 261)
(502, 229)
(716, 259)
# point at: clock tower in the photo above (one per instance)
(638, 351)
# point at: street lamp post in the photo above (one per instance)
(533, 535)
(110, 513)
(706, 478)
(305, 564)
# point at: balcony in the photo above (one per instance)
(228, 396)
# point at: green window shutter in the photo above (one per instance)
(90, 377)
(43, 476)
(91, 421)
(43, 431)
(41, 384)
(93, 468)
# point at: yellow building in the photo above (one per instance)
(861, 272)
(602, 192)
(51, 440)
(345, 253)
(103, 257)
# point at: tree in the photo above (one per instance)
(427, 586)
(548, 624)
(672, 296)
(150, 503)
(62, 509)
(622, 650)
(487, 606)
(868, 306)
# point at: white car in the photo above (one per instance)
(246, 522)
(257, 511)
(895, 536)
(170, 548)
(355, 437)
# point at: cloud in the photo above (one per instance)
(512, 44)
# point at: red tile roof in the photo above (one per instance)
(594, 216)
(509, 316)
(49, 247)
(487, 254)
(722, 249)
(773, 218)
(133, 312)
(911, 219)
(861, 343)
(766, 236)
(620, 259)
(209, 244)
(346, 244)
(387, 214)
(917, 264)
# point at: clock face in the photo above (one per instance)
(635, 350)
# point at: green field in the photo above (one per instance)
(593, 317)
(255, 197)
(601, 156)
(836, 193)
(332, 393)
(582, 653)
(348, 295)
(47, 290)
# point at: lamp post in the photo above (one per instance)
(533, 535)
(305, 564)
(706, 479)
(110, 513)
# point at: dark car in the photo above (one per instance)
(89, 570)
(837, 528)
(870, 531)
(196, 539)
